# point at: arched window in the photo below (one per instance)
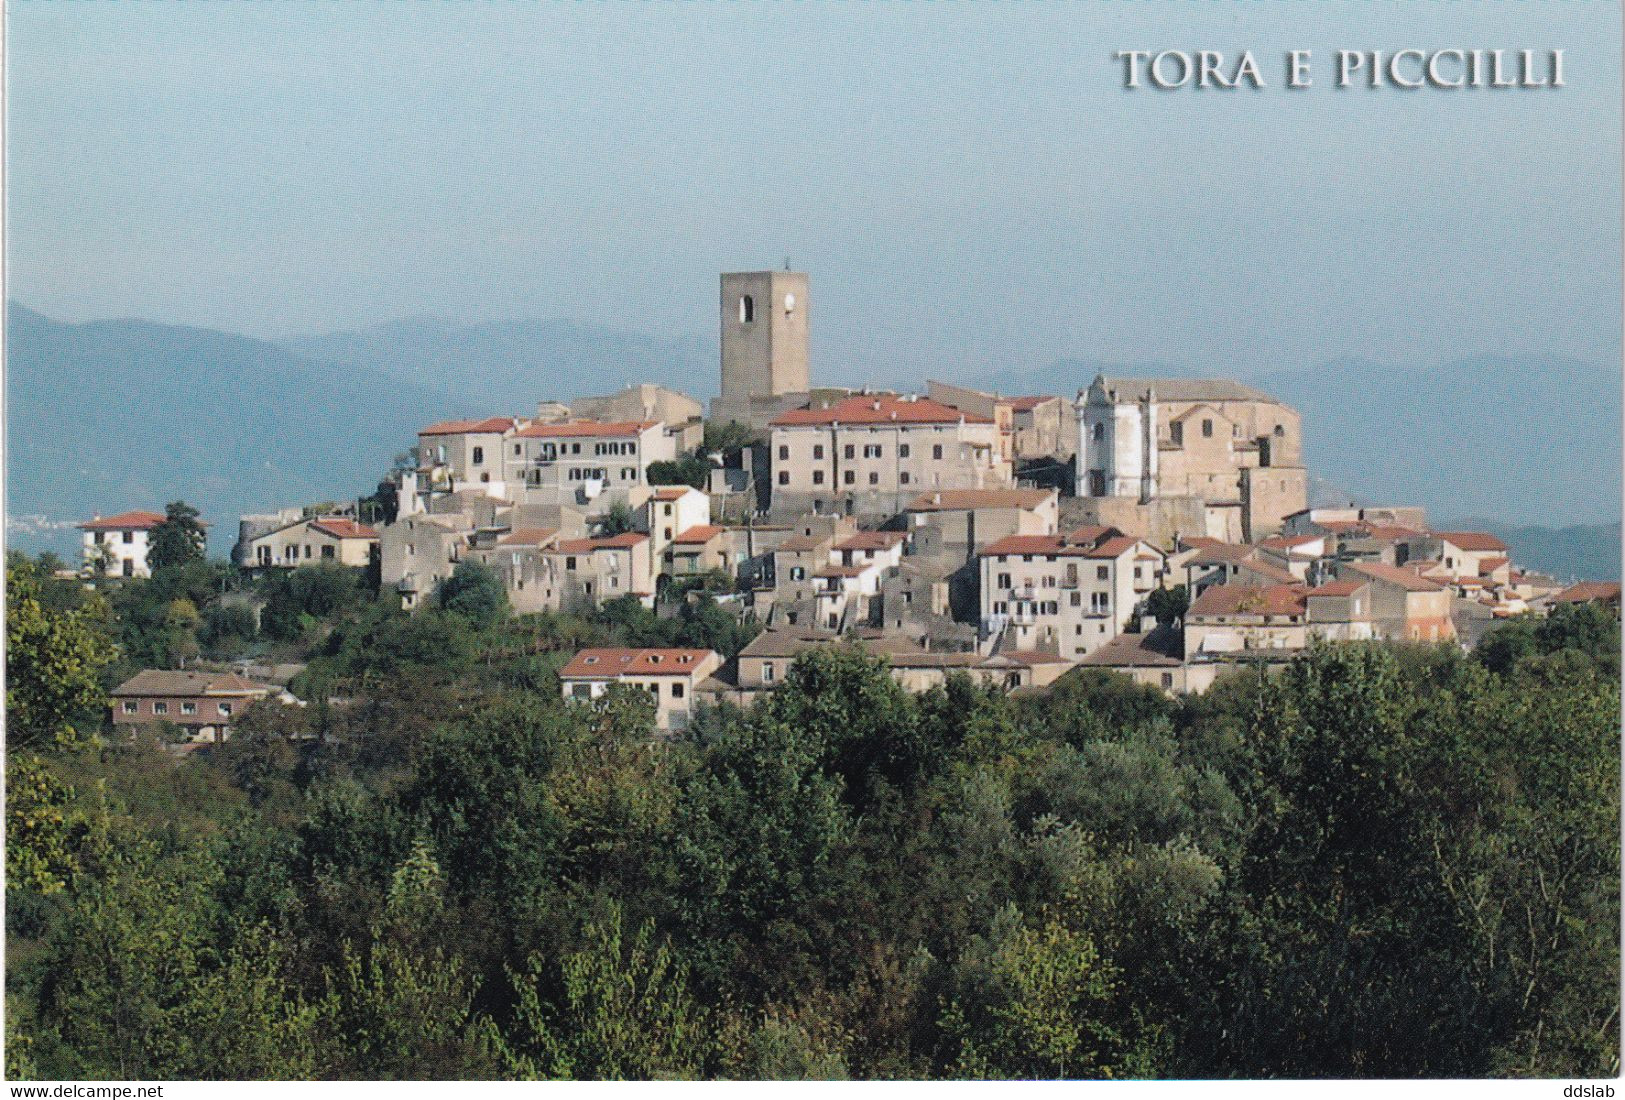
(1098, 432)
(747, 309)
(1279, 431)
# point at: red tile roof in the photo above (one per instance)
(1288, 542)
(871, 540)
(1246, 599)
(1268, 571)
(1477, 541)
(1031, 402)
(673, 492)
(582, 428)
(528, 536)
(698, 535)
(125, 521)
(608, 664)
(490, 425)
(1404, 578)
(1588, 591)
(153, 681)
(341, 527)
(879, 409)
(1490, 565)
(605, 542)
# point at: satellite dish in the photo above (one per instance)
(789, 303)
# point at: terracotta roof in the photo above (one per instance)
(1185, 389)
(1222, 552)
(1288, 542)
(490, 425)
(698, 535)
(673, 492)
(606, 542)
(1247, 599)
(1200, 542)
(871, 540)
(583, 428)
(953, 500)
(1392, 532)
(1268, 571)
(1031, 402)
(1404, 578)
(879, 409)
(528, 536)
(1477, 541)
(1029, 657)
(1338, 588)
(1163, 647)
(153, 681)
(1029, 544)
(1588, 591)
(1113, 547)
(125, 521)
(342, 528)
(1490, 565)
(607, 664)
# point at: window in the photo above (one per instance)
(667, 535)
(677, 691)
(327, 553)
(1102, 572)
(188, 708)
(784, 452)
(849, 450)
(1077, 600)
(485, 479)
(798, 573)
(307, 551)
(936, 451)
(1167, 681)
(160, 708)
(1098, 432)
(479, 455)
(1207, 429)
(129, 537)
(902, 450)
(874, 478)
(784, 477)
(1004, 580)
(581, 691)
(518, 449)
(818, 477)
(569, 563)
(818, 452)
(1280, 431)
(849, 477)
(1099, 602)
(131, 706)
(767, 672)
(871, 450)
(903, 477)
(129, 568)
(747, 309)
(1176, 432)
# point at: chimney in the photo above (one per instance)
(936, 498)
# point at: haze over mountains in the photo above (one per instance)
(109, 415)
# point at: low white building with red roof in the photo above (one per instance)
(668, 675)
(116, 546)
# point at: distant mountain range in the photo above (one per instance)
(112, 415)
(109, 415)
(508, 366)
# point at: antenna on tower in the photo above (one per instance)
(787, 263)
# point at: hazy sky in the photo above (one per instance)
(968, 186)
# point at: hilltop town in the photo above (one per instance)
(1158, 528)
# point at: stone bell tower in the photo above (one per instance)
(764, 336)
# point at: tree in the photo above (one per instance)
(1167, 604)
(53, 666)
(625, 1013)
(178, 540)
(475, 592)
(618, 520)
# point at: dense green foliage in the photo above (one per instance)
(178, 540)
(1382, 861)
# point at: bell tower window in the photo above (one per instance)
(747, 309)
